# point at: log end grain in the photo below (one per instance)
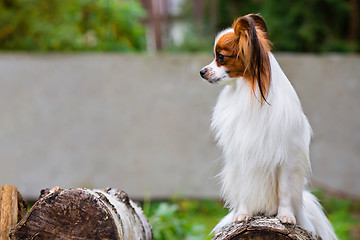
(81, 214)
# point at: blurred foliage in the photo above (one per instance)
(167, 223)
(71, 25)
(343, 213)
(193, 41)
(185, 219)
(296, 26)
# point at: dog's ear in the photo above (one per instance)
(242, 25)
(260, 23)
(244, 30)
(253, 51)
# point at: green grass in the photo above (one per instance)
(183, 218)
(186, 219)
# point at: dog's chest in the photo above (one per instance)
(237, 117)
(246, 132)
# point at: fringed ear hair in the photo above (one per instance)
(253, 50)
(259, 22)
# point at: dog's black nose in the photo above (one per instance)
(203, 72)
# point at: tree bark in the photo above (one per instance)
(83, 214)
(263, 228)
(12, 209)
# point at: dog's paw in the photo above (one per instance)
(314, 235)
(242, 217)
(287, 218)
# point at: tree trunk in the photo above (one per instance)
(12, 209)
(354, 20)
(262, 228)
(83, 214)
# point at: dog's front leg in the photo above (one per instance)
(242, 214)
(287, 191)
(235, 196)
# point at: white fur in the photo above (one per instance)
(266, 153)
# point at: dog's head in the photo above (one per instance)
(242, 51)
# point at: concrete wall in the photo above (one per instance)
(141, 123)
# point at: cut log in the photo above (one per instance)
(83, 214)
(263, 228)
(12, 209)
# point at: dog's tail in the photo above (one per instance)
(315, 212)
(223, 222)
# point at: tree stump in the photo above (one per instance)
(12, 209)
(83, 214)
(263, 228)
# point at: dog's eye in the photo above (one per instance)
(221, 58)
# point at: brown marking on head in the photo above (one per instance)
(227, 46)
(245, 53)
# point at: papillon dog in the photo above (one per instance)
(264, 135)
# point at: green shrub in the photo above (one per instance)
(71, 25)
(296, 26)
